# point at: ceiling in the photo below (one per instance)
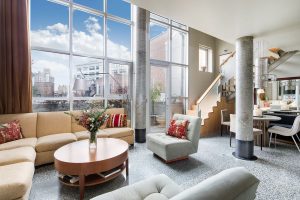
(275, 22)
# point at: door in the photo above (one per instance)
(159, 87)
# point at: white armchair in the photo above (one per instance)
(286, 132)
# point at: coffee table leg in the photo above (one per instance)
(127, 169)
(81, 186)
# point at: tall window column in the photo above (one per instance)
(140, 64)
(244, 99)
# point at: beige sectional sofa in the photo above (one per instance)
(43, 133)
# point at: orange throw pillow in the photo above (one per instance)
(10, 131)
(178, 128)
(117, 120)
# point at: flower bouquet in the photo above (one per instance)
(92, 120)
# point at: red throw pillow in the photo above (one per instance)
(10, 131)
(178, 128)
(117, 120)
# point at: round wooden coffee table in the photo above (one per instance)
(110, 159)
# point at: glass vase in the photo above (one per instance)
(93, 141)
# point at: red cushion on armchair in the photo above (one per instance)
(178, 128)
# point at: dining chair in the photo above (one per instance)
(232, 130)
(225, 120)
(286, 132)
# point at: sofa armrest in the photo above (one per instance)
(235, 183)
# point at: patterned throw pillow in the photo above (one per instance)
(178, 128)
(117, 120)
(10, 131)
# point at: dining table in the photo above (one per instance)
(262, 122)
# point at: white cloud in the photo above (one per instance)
(59, 27)
(88, 42)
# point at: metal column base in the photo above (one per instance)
(244, 150)
(140, 135)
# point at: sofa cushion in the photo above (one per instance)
(156, 196)
(27, 121)
(17, 155)
(168, 147)
(10, 131)
(53, 123)
(54, 141)
(154, 188)
(15, 180)
(118, 132)
(19, 143)
(83, 135)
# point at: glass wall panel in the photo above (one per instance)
(88, 77)
(49, 25)
(159, 41)
(95, 4)
(50, 74)
(51, 53)
(118, 79)
(179, 46)
(178, 81)
(119, 40)
(87, 34)
(119, 8)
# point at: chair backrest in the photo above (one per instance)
(296, 126)
(225, 115)
(232, 123)
(193, 134)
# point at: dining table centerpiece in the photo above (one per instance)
(92, 120)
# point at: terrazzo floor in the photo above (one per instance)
(278, 169)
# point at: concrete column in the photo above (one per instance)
(140, 65)
(244, 98)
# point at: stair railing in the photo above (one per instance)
(213, 91)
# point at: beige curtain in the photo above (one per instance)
(15, 61)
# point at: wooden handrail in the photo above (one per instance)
(209, 88)
(216, 79)
(225, 61)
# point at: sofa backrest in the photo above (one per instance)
(231, 184)
(49, 123)
(28, 122)
(76, 128)
(115, 111)
(193, 128)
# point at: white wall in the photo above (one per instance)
(200, 81)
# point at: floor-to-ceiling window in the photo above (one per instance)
(169, 68)
(81, 54)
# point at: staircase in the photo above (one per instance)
(218, 96)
